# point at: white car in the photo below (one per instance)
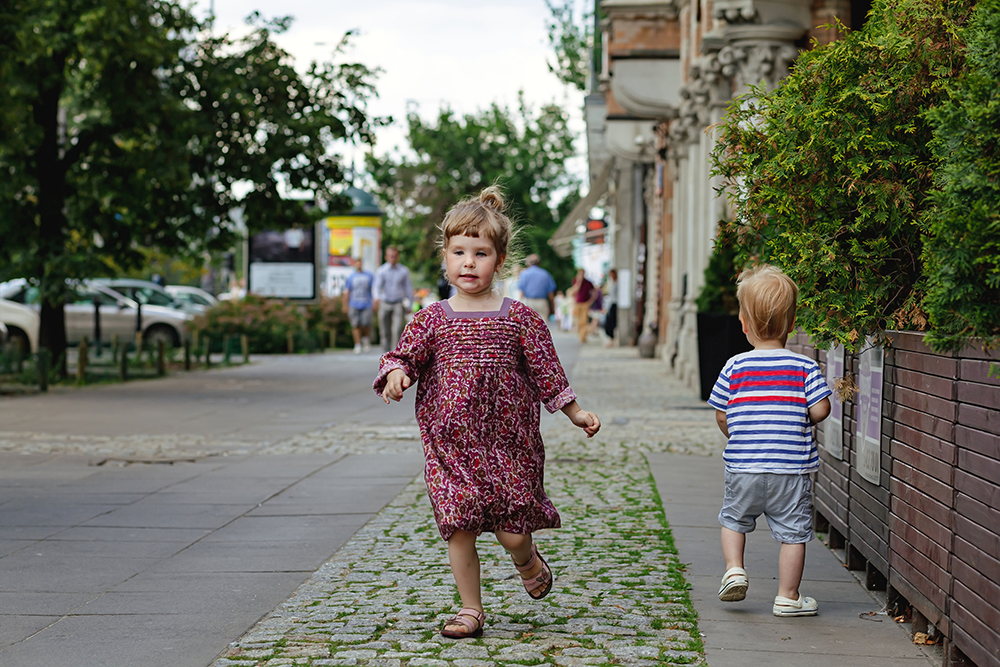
(119, 315)
(22, 324)
(195, 297)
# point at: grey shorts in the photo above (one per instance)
(359, 318)
(784, 500)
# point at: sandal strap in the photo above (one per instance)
(472, 619)
(531, 561)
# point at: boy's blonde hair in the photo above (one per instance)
(481, 217)
(767, 301)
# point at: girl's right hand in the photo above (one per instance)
(396, 382)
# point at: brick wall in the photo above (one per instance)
(931, 527)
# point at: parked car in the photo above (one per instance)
(144, 292)
(118, 313)
(195, 297)
(22, 324)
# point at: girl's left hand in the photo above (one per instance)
(588, 421)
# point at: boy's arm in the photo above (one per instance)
(819, 411)
(720, 419)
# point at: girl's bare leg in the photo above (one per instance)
(791, 562)
(519, 546)
(464, 561)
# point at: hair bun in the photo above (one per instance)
(492, 197)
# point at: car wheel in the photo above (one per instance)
(158, 332)
(16, 336)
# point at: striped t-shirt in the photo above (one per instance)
(766, 395)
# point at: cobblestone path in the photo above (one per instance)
(620, 597)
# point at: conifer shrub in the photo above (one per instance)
(962, 255)
(829, 173)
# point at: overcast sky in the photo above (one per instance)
(461, 53)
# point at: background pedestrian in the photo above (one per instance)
(483, 364)
(538, 287)
(393, 291)
(767, 401)
(357, 300)
(583, 294)
(611, 302)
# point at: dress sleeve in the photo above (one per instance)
(413, 352)
(544, 369)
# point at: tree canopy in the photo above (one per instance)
(523, 151)
(128, 125)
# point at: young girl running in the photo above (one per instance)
(482, 364)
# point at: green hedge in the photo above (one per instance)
(268, 322)
(830, 173)
(962, 255)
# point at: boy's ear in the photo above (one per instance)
(500, 260)
(743, 323)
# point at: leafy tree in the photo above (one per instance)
(963, 253)
(573, 42)
(453, 158)
(830, 172)
(126, 126)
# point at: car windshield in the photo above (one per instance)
(147, 295)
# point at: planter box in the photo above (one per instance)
(719, 338)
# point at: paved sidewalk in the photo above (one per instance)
(629, 590)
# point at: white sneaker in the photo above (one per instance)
(788, 607)
(734, 585)
(366, 344)
(357, 348)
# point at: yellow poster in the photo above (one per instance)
(353, 236)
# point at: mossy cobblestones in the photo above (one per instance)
(619, 597)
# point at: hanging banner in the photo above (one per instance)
(869, 431)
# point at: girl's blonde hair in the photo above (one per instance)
(481, 217)
(767, 301)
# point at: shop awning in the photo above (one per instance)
(562, 239)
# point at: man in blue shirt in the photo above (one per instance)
(358, 304)
(538, 287)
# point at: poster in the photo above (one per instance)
(869, 428)
(350, 236)
(833, 427)
(282, 263)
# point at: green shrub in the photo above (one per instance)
(718, 294)
(267, 322)
(962, 256)
(829, 173)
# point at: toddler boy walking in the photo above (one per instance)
(767, 401)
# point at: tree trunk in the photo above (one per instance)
(51, 177)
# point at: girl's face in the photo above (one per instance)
(471, 264)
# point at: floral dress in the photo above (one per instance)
(480, 379)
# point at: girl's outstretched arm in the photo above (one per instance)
(396, 382)
(588, 421)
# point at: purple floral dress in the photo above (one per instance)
(480, 378)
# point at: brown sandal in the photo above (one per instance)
(471, 619)
(542, 580)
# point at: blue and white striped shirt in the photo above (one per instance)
(766, 395)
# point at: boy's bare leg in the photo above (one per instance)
(733, 544)
(519, 546)
(791, 562)
(464, 561)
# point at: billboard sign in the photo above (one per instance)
(282, 264)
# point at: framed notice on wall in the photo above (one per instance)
(833, 427)
(869, 431)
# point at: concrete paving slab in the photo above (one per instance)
(153, 640)
(51, 603)
(257, 528)
(50, 512)
(27, 571)
(746, 633)
(123, 534)
(150, 513)
(15, 628)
